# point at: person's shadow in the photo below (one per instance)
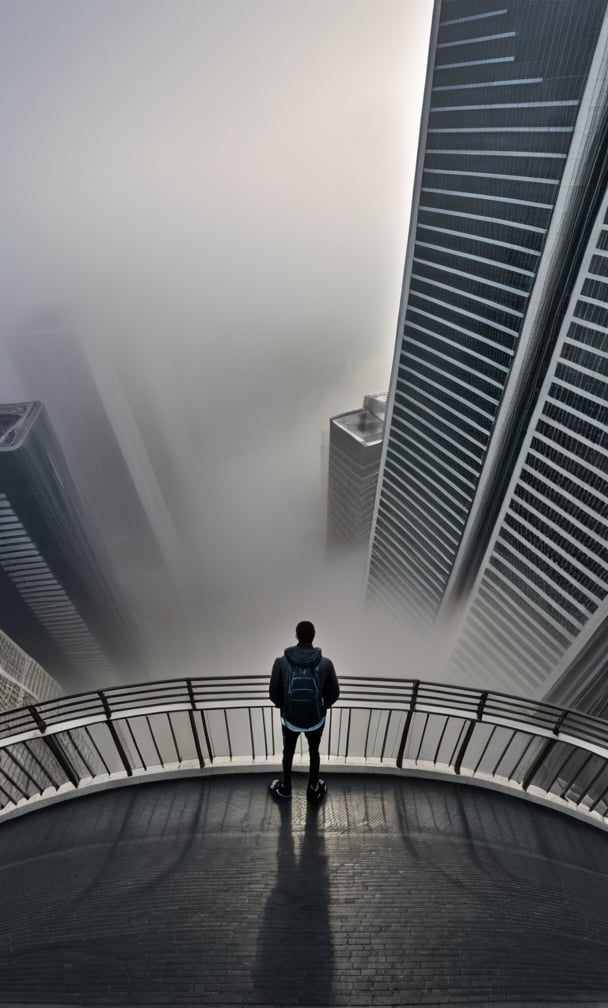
(294, 962)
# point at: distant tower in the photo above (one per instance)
(493, 492)
(59, 602)
(355, 443)
(85, 403)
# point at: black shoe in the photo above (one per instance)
(278, 790)
(317, 793)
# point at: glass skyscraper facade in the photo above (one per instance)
(59, 602)
(542, 589)
(506, 235)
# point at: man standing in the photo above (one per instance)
(303, 685)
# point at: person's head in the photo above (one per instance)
(305, 632)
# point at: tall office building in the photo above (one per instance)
(490, 506)
(355, 443)
(91, 417)
(59, 602)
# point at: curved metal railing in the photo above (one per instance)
(71, 745)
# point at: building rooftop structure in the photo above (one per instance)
(355, 444)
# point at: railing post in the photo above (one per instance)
(469, 732)
(115, 736)
(55, 747)
(199, 752)
(408, 721)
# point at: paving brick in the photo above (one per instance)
(393, 892)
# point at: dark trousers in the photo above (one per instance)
(290, 739)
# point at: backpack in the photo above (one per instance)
(303, 702)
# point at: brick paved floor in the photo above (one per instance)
(394, 892)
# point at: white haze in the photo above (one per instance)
(212, 200)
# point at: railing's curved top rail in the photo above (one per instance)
(68, 744)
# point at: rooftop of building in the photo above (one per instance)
(361, 425)
(395, 891)
(15, 418)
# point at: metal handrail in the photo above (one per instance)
(72, 744)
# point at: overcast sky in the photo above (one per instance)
(212, 199)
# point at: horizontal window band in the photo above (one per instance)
(410, 420)
(471, 63)
(504, 105)
(465, 294)
(473, 17)
(472, 41)
(465, 425)
(491, 591)
(408, 536)
(487, 197)
(509, 351)
(393, 498)
(575, 558)
(472, 276)
(485, 84)
(538, 592)
(461, 367)
(468, 350)
(408, 491)
(439, 452)
(552, 484)
(508, 330)
(495, 263)
(452, 151)
(501, 129)
(501, 221)
(479, 238)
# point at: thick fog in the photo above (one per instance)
(205, 209)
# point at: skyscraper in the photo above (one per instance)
(355, 442)
(491, 486)
(89, 412)
(59, 602)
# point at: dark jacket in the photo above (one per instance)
(300, 655)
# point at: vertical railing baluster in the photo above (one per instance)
(426, 721)
(251, 734)
(172, 730)
(161, 761)
(384, 740)
(369, 721)
(193, 728)
(350, 711)
(408, 722)
(206, 734)
(134, 741)
(470, 729)
(115, 736)
(228, 733)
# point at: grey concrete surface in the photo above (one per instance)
(392, 892)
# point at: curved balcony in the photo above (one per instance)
(74, 745)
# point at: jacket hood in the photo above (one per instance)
(303, 655)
